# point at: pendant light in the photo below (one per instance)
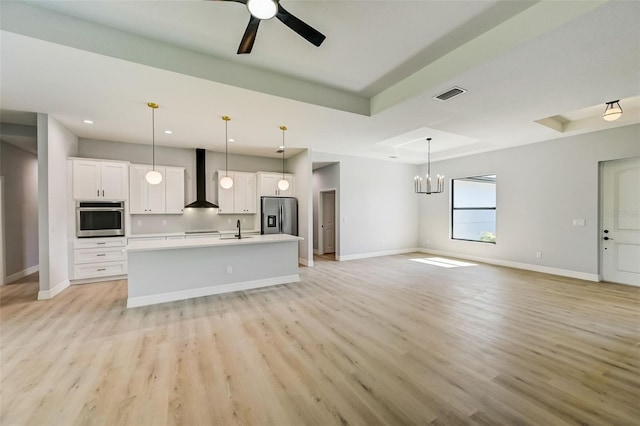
(613, 111)
(283, 184)
(417, 181)
(153, 176)
(226, 182)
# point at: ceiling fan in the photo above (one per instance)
(267, 9)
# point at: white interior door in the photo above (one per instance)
(2, 272)
(620, 233)
(329, 222)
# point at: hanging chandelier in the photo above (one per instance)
(153, 176)
(430, 187)
(226, 182)
(283, 184)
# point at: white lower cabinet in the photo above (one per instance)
(99, 257)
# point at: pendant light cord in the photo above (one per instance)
(428, 157)
(226, 148)
(226, 119)
(283, 128)
(153, 137)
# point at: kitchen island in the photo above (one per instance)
(167, 270)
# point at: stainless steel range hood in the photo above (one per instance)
(201, 183)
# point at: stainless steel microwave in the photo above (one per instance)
(99, 218)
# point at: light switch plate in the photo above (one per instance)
(579, 222)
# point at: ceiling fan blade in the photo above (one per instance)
(312, 35)
(249, 36)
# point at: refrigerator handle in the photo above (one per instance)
(282, 219)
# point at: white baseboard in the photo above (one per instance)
(518, 265)
(317, 252)
(49, 294)
(98, 280)
(134, 302)
(376, 254)
(21, 274)
(305, 262)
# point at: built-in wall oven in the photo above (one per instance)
(99, 218)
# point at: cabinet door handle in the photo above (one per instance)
(98, 192)
(101, 254)
(101, 269)
(101, 244)
(103, 192)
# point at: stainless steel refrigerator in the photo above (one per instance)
(279, 215)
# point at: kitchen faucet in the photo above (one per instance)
(239, 234)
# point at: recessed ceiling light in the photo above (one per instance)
(87, 121)
(168, 132)
(393, 156)
(231, 140)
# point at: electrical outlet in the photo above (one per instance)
(538, 255)
(139, 222)
(229, 269)
(164, 222)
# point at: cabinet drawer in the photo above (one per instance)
(88, 243)
(146, 239)
(99, 255)
(93, 270)
(176, 237)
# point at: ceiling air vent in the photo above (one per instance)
(455, 91)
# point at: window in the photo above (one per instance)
(473, 209)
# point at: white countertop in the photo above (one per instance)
(200, 233)
(208, 242)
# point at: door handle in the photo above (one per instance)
(608, 238)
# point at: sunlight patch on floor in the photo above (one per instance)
(442, 262)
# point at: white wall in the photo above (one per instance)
(300, 166)
(541, 188)
(378, 208)
(55, 144)
(20, 170)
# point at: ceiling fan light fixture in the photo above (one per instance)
(262, 9)
(613, 111)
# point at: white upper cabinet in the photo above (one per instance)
(245, 195)
(268, 185)
(226, 196)
(241, 197)
(99, 180)
(167, 197)
(174, 189)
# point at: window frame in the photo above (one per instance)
(453, 208)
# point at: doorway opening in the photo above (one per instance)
(327, 225)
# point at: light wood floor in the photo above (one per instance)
(365, 342)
